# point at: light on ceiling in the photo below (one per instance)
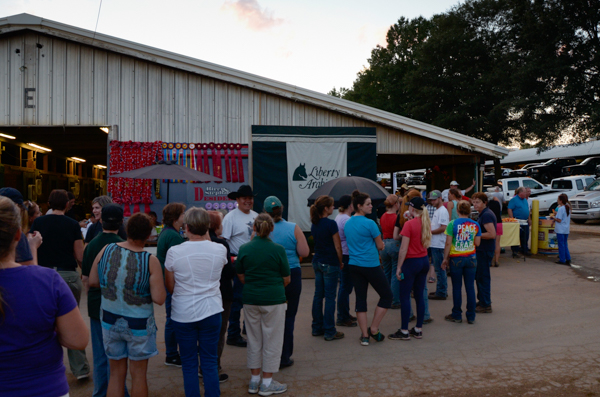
(45, 149)
(101, 166)
(105, 129)
(78, 159)
(7, 136)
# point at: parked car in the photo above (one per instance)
(586, 205)
(598, 171)
(551, 169)
(523, 171)
(569, 185)
(401, 178)
(416, 178)
(489, 178)
(509, 185)
(586, 167)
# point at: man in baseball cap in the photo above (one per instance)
(454, 185)
(439, 221)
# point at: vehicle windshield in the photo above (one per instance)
(562, 184)
(594, 186)
(588, 160)
(549, 161)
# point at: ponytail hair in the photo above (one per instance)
(10, 223)
(425, 228)
(563, 198)
(359, 198)
(316, 210)
(390, 201)
(263, 225)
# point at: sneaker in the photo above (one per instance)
(415, 334)
(274, 388)
(240, 342)
(347, 323)
(399, 335)
(452, 319)
(84, 376)
(223, 378)
(470, 321)
(395, 307)
(568, 262)
(364, 340)
(338, 335)
(482, 309)
(428, 321)
(436, 297)
(320, 333)
(174, 361)
(286, 364)
(353, 318)
(253, 387)
(412, 318)
(378, 336)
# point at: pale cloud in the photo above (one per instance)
(255, 17)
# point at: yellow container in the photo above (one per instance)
(547, 242)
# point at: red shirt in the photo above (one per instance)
(412, 230)
(387, 222)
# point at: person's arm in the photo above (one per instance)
(397, 233)
(477, 240)
(35, 240)
(157, 284)
(379, 243)
(301, 244)
(242, 278)
(510, 213)
(287, 280)
(94, 279)
(449, 207)
(470, 187)
(402, 255)
(71, 331)
(447, 252)
(439, 230)
(78, 251)
(490, 232)
(338, 247)
(169, 281)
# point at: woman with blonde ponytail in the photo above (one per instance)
(262, 266)
(413, 266)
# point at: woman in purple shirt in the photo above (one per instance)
(38, 314)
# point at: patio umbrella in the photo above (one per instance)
(336, 188)
(168, 170)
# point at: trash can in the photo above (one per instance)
(547, 242)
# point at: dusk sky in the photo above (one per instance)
(311, 44)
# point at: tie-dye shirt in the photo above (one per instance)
(463, 232)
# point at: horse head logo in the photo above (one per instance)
(300, 173)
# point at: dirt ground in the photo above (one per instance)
(542, 339)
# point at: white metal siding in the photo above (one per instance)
(76, 84)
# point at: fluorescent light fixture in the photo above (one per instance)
(78, 159)
(101, 166)
(7, 136)
(45, 149)
(105, 129)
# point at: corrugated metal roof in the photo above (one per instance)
(27, 21)
(586, 149)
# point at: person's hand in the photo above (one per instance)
(473, 182)
(34, 239)
(444, 265)
(399, 273)
(85, 281)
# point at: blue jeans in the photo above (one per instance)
(292, 295)
(326, 280)
(346, 286)
(483, 277)
(199, 338)
(426, 314)
(415, 277)
(563, 247)
(389, 256)
(437, 255)
(234, 331)
(463, 268)
(170, 340)
(523, 238)
(101, 367)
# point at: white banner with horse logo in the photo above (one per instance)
(309, 166)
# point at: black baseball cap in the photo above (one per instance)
(417, 203)
(112, 213)
(345, 201)
(12, 194)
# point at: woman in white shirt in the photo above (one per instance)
(562, 221)
(192, 275)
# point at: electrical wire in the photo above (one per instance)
(97, 19)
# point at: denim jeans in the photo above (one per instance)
(523, 238)
(326, 281)
(199, 338)
(389, 257)
(437, 255)
(292, 295)
(563, 247)
(426, 314)
(463, 268)
(170, 340)
(234, 331)
(101, 367)
(483, 277)
(415, 277)
(346, 286)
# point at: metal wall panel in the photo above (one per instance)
(234, 112)
(180, 107)
(86, 86)
(100, 87)
(126, 124)
(16, 88)
(4, 82)
(154, 102)
(194, 106)
(220, 131)
(59, 82)
(72, 90)
(114, 91)
(30, 79)
(43, 86)
(168, 105)
(140, 121)
(208, 110)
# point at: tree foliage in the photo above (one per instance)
(499, 70)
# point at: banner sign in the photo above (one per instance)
(309, 166)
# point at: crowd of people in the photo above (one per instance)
(225, 264)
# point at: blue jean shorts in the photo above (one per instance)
(120, 341)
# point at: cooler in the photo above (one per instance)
(547, 242)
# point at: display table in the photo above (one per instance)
(510, 234)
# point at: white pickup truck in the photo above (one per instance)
(509, 185)
(570, 185)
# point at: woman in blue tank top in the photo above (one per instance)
(293, 240)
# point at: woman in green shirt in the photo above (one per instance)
(263, 268)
